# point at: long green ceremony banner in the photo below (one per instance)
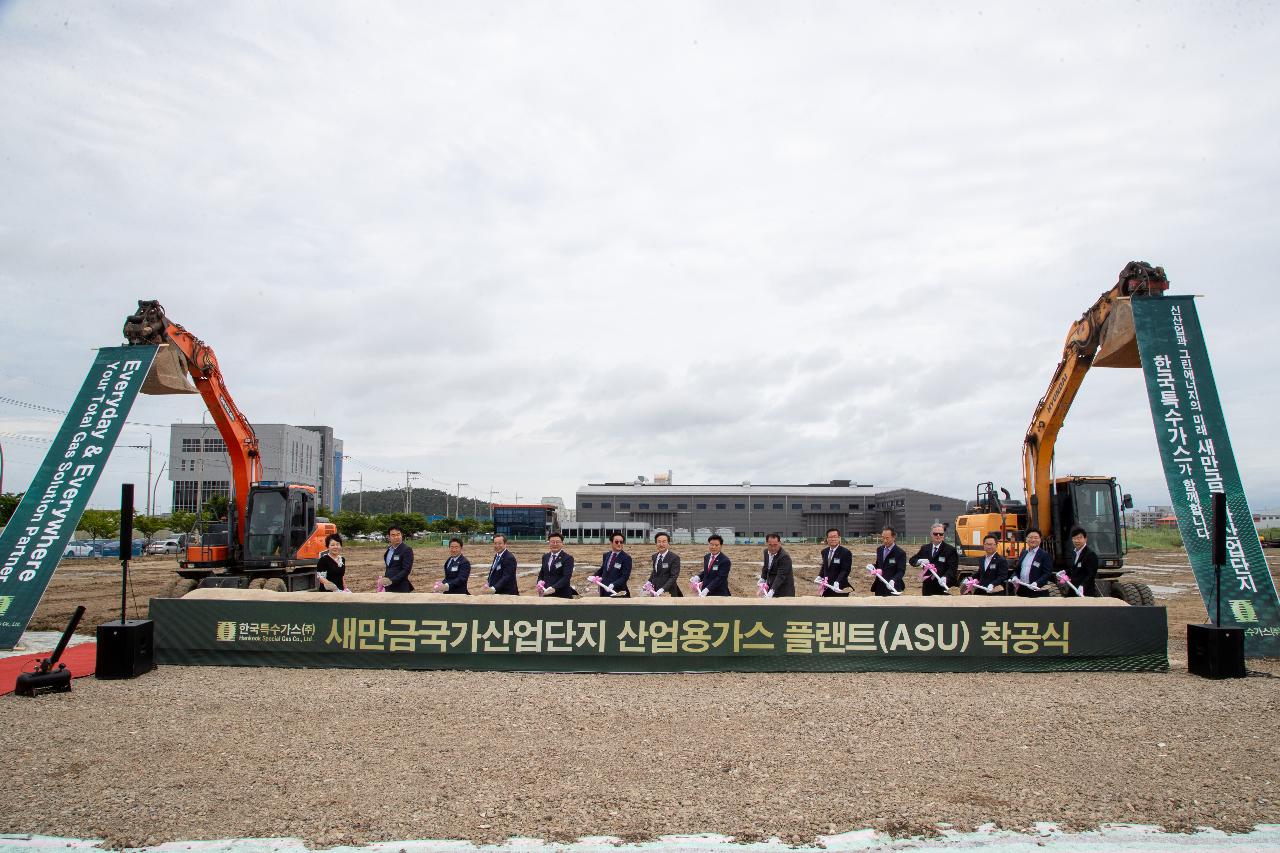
(319, 630)
(1191, 434)
(36, 536)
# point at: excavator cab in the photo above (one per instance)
(1096, 505)
(282, 528)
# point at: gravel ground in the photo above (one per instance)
(346, 756)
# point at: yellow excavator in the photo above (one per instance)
(1104, 336)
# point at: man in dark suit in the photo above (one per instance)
(399, 562)
(1084, 566)
(891, 560)
(555, 578)
(945, 559)
(665, 578)
(615, 570)
(775, 571)
(1035, 569)
(837, 560)
(502, 573)
(714, 577)
(457, 569)
(993, 570)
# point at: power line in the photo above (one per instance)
(39, 408)
(17, 436)
(20, 437)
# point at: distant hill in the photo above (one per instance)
(426, 501)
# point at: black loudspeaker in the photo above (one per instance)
(1214, 652)
(1219, 529)
(126, 649)
(126, 521)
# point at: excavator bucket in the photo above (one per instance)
(168, 374)
(1119, 344)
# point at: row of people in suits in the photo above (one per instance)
(887, 574)
(1032, 572)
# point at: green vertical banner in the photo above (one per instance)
(34, 540)
(1191, 434)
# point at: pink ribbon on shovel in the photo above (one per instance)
(648, 589)
(695, 585)
(927, 569)
(879, 575)
(542, 587)
(598, 581)
(1063, 577)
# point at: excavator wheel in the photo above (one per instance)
(275, 585)
(257, 583)
(1054, 590)
(1144, 592)
(1128, 591)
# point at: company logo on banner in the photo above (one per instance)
(1191, 433)
(34, 540)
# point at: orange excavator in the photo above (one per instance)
(272, 537)
(1104, 336)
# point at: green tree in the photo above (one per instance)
(9, 505)
(149, 525)
(181, 522)
(410, 522)
(101, 523)
(217, 507)
(351, 523)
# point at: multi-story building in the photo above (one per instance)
(199, 468)
(750, 511)
(329, 472)
(1147, 517)
(524, 521)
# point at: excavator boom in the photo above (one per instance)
(1104, 336)
(181, 354)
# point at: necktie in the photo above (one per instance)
(768, 562)
(390, 551)
(609, 567)
(935, 552)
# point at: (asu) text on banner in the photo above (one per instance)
(1191, 433)
(780, 637)
(37, 534)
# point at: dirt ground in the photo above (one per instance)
(342, 756)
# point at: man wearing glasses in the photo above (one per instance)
(945, 559)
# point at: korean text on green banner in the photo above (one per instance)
(34, 540)
(1191, 433)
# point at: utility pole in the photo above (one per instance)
(159, 474)
(146, 447)
(408, 489)
(492, 492)
(359, 494)
(457, 499)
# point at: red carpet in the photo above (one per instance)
(80, 659)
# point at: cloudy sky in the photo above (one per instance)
(530, 245)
